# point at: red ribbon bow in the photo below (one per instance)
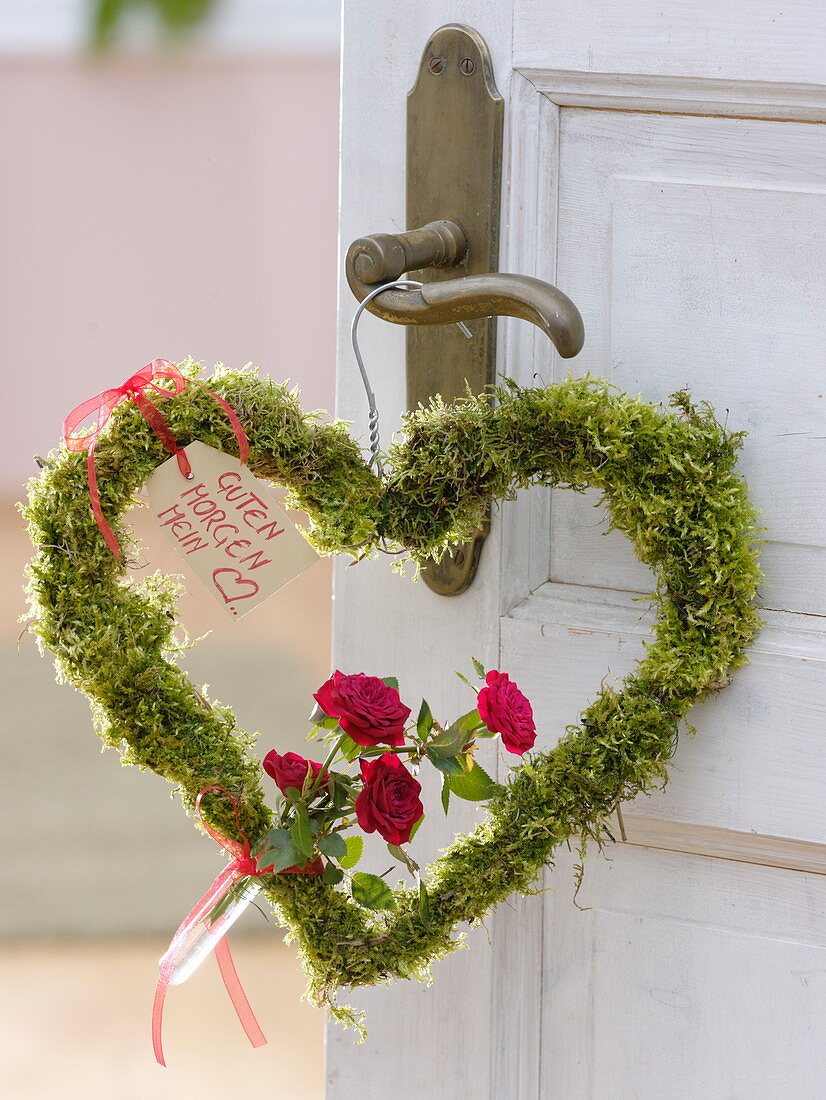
(243, 865)
(135, 389)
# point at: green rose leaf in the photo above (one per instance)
(340, 791)
(451, 741)
(282, 858)
(448, 765)
(269, 849)
(273, 838)
(469, 722)
(390, 681)
(302, 833)
(332, 874)
(424, 723)
(333, 846)
(480, 668)
(355, 847)
(445, 794)
(401, 854)
(474, 785)
(349, 748)
(371, 892)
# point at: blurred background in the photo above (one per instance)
(169, 189)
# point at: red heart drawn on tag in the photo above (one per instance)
(238, 582)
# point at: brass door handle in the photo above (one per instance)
(386, 257)
(455, 119)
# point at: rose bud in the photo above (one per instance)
(366, 708)
(289, 770)
(504, 709)
(389, 802)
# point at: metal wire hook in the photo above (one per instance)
(373, 419)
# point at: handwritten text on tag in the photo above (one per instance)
(227, 525)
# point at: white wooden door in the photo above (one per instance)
(666, 167)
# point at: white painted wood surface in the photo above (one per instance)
(767, 41)
(686, 978)
(756, 763)
(664, 166)
(695, 249)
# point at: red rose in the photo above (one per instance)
(504, 709)
(366, 708)
(389, 800)
(289, 770)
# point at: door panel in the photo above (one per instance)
(696, 249)
(686, 978)
(756, 763)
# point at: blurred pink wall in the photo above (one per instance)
(183, 205)
(162, 208)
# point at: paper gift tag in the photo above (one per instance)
(228, 526)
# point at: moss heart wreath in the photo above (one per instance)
(671, 485)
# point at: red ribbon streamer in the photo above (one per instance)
(244, 864)
(135, 389)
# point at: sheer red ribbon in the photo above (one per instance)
(244, 864)
(135, 389)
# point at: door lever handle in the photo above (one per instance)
(455, 120)
(385, 257)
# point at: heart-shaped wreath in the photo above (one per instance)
(671, 485)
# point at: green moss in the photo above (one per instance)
(671, 485)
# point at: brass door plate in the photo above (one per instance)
(455, 119)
